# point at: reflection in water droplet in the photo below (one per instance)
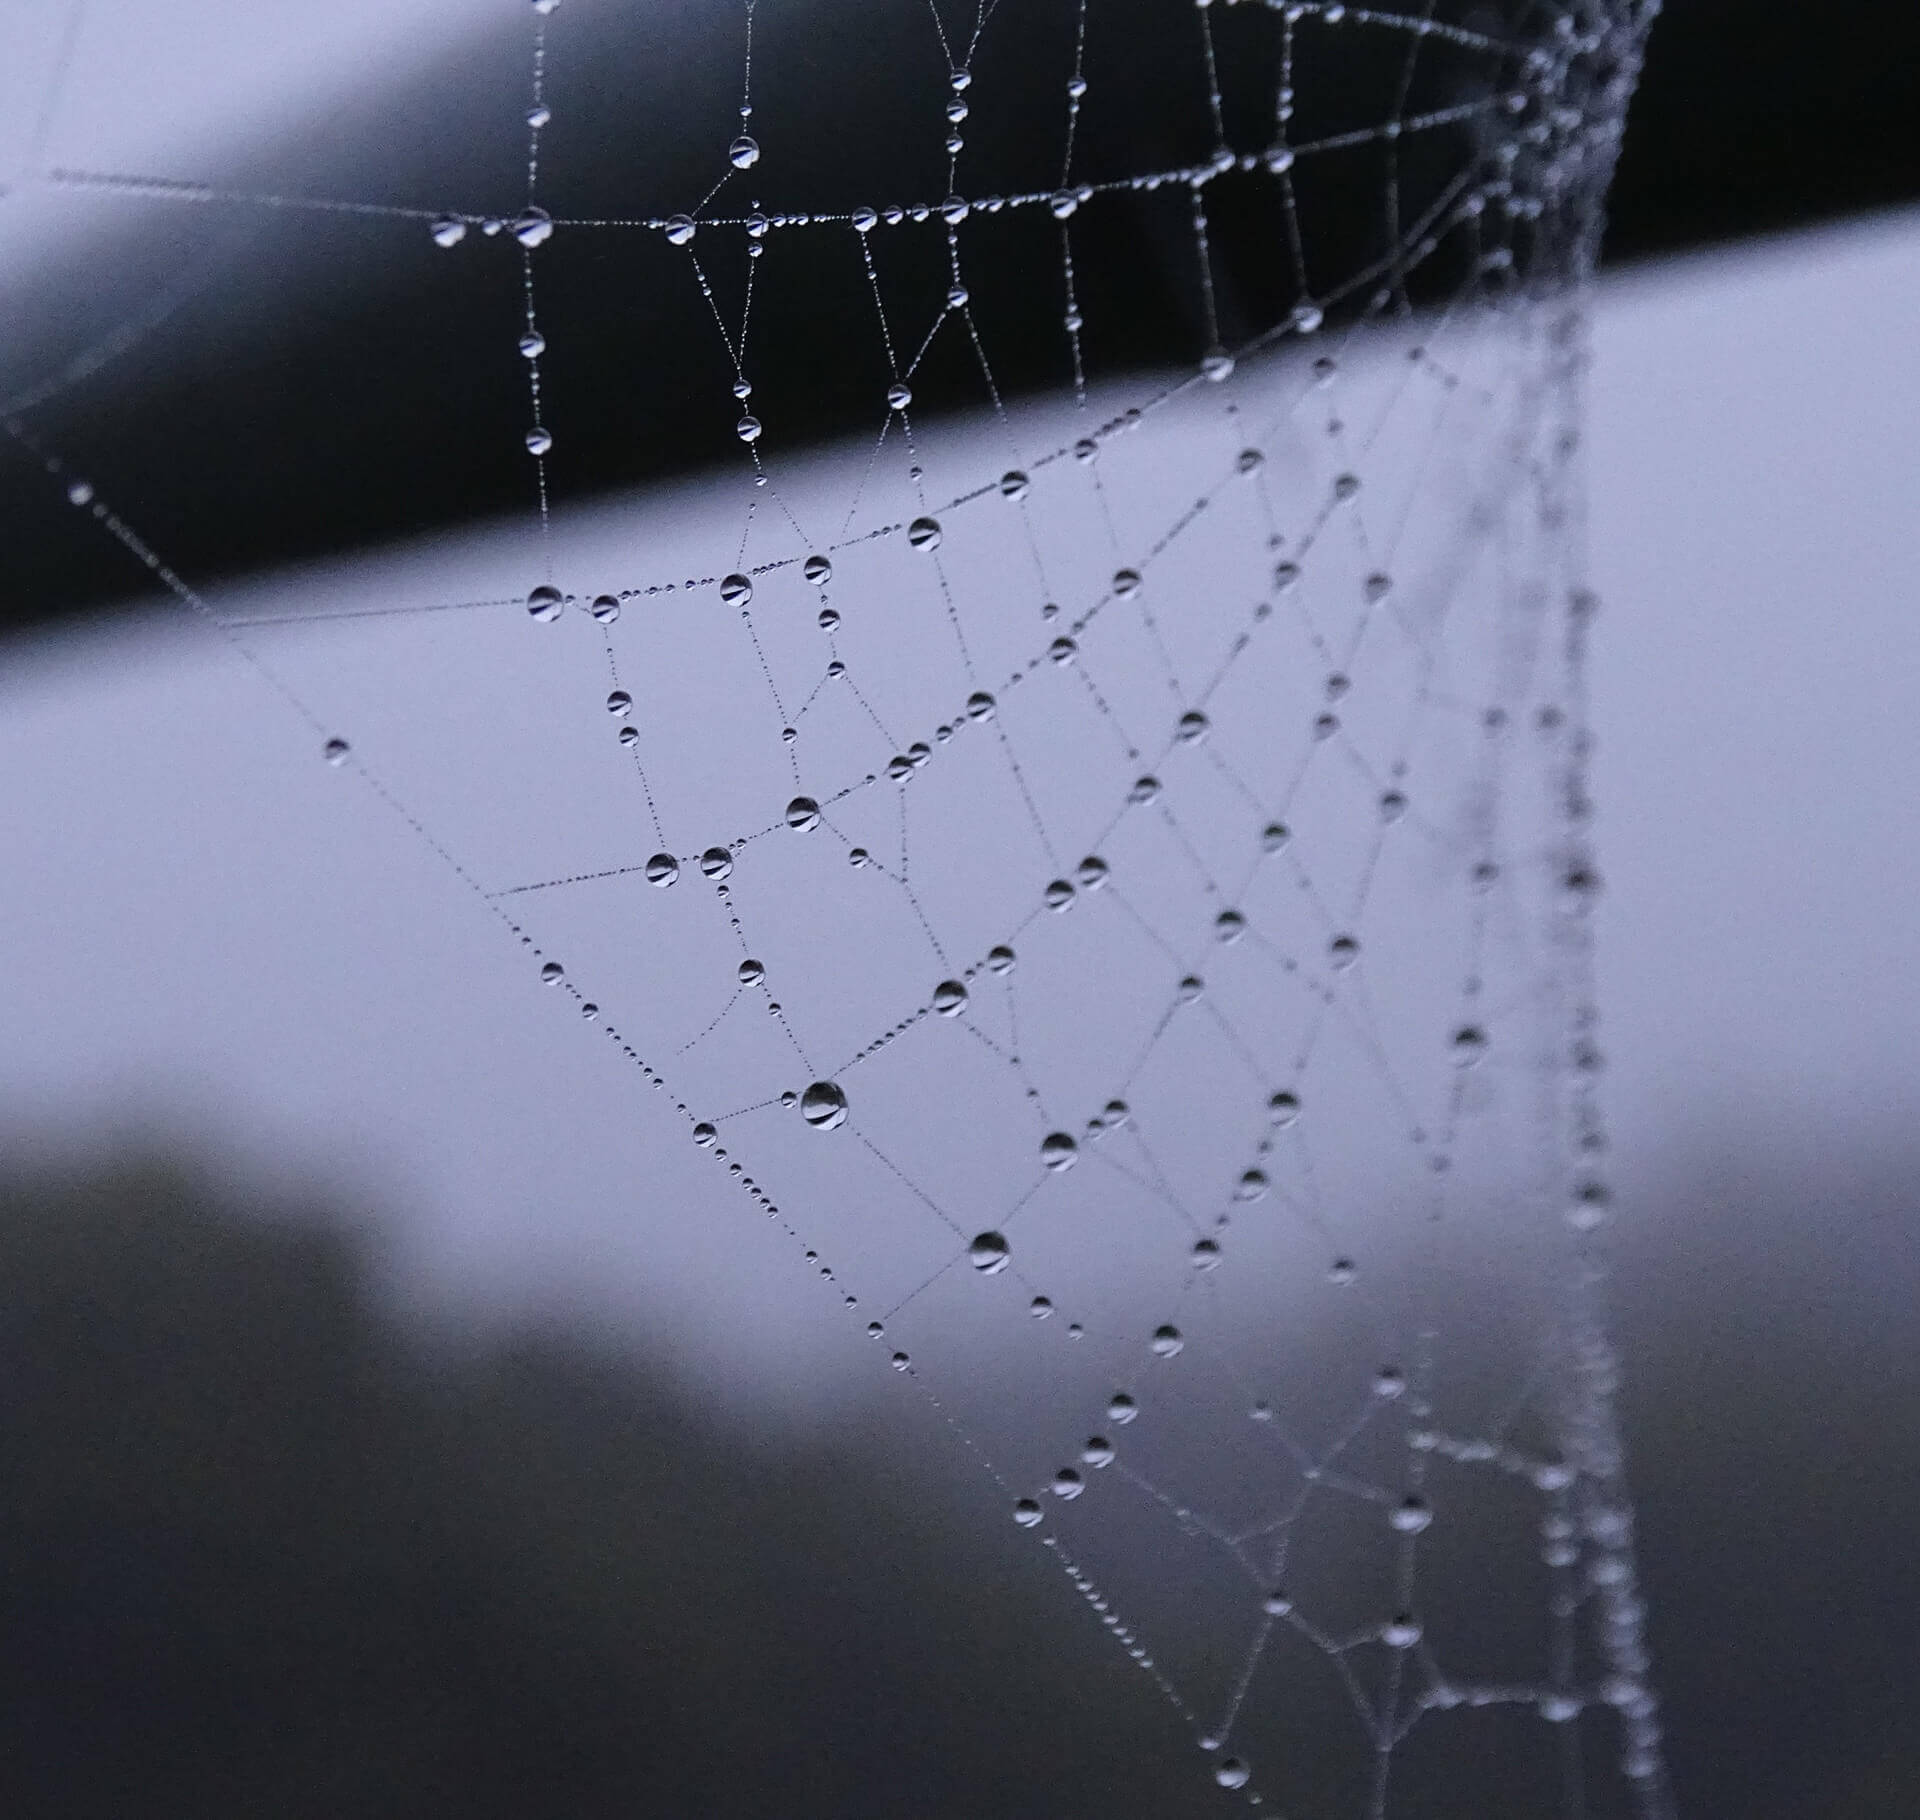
(824, 1105)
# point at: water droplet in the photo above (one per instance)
(900, 1362)
(1121, 1409)
(448, 230)
(736, 590)
(704, 1134)
(533, 344)
(1557, 1709)
(1216, 366)
(1342, 952)
(619, 702)
(1411, 1516)
(1252, 1186)
(1345, 485)
(1167, 1341)
(1249, 460)
(605, 608)
(1393, 805)
(1205, 1254)
(679, 229)
(539, 440)
(1063, 203)
(950, 998)
(1277, 1603)
(1190, 988)
(1058, 1151)
(662, 870)
(1144, 790)
(1014, 484)
(1376, 588)
(1389, 1384)
(824, 1106)
(1191, 727)
(1232, 1773)
(716, 862)
(1341, 1271)
(1126, 581)
(533, 227)
(1307, 318)
(748, 428)
(980, 705)
(988, 1253)
(817, 569)
(1091, 872)
(1229, 926)
(744, 153)
(628, 735)
(899, 396)
(1469, 1045)
(1278, 159)
(924, 533)
(1097, 1452)
(1062, 650)
(1401, 1632)
(544, 603)
(1059, 894)
(335, 751)
(1041, 1307)
(803, 815)
(1068, 1484)
(552, 973)
(858, 857)
(1000, 959)
(1026, 1513)
(865, 220)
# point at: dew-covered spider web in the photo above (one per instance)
(1103, 867)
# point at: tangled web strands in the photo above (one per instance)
(1107, 875)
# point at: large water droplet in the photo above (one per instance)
(803, 815)
(679, 229)
(899, 396)
(1121, 1409)
(1097, 1452)
(924, 533)
(619, 702)
(1232, 1773)
(824, 1105)
(1401, 1632)
(736, 590)
(1217, 366)
(1058, 894)
(980, 705)
(1205, 1254)
(335, 751)
(1167, 1341)
(1068, 1484)
(539, 440)
(1229, 926)
(532, 227)
(817, 569)
(1191, 727)
(950, 998)
(1058, 1150)
(716, 862)
(988, 1253)
(1000, 959)
(1014, 484)
(1026, 1513)
(744, 153)
(553, 973)
(448, 230)
(662, 870)
(748, 428)
(750, 972)
(1411, 1516)
(1063, 203)
(545, 602)
(605, 608)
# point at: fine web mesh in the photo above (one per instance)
(1106, 872)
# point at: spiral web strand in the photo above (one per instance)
(1108, 878)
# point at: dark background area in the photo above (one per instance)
(307, 384)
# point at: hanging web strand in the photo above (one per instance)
(1206, 1133)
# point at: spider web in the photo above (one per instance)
(1106, 874)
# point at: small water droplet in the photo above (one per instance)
(1278, 159)
(1167, 1341)
(988, 1254)
(1205, 1254)
(1121, 1409)
(980, 705)
(899, 396)
(1401, 1632)
(1232, 1773)
(1283, 1108)
(865, 220)
(1058, 1151)
(1014, 484)
(1341, 1271)
(704, 1134)
(1411, 1516)
(1026, 1513)
(545, 602)
(679, 229)
(1062, 650)
(619, 702)
(1216, 366)
(1059, 895)
(817, 569)
(662, 870)
(448, 230)
(605, 608)
(1000, 959)
(950, 998)
(803, 815)
(900, 1362)
(1041, 1307)
(1557, 1709)
(1097, 1452)
(1068, 1484)
(335, 751)
(1229, 926)
(858, 857)
(1252, 1186)
(1469, 1045)
(533, 344)
(1190, 988)
(1144, 790)
(539, 440)
(1126, 581)
(1342, 952)
(748, 428)
(716, 862)
(552, 973)
(1063, 203)
(1191, 727)
(744, 153)
(1091, 872)
(1345, 485)
(1307, 318)
(1249, 460)
(1277, 1604)
(1376, 588)
(924, 533)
